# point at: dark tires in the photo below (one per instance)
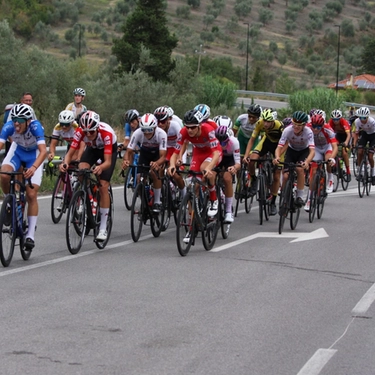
(76, 222)
(8, 231)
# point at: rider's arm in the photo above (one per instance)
(52, 148)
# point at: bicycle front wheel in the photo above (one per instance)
(166, 203)
(136, 212)
(286, 196)
(368, 179)
(314, 198)
(185, 225)
(129, 187)
(76, 221)
(8, 230)
(322, 195)
(344, 179)
(58, 204)
(211, 227)
(25, 254)
(362, 179)
(238, 192)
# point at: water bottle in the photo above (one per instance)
(173, 190)
(93, 203)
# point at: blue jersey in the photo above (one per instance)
(127, 130)
(27, 141)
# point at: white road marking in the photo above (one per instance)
(316, 363)
(364, 303)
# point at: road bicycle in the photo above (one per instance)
(364, 174)
(264, 186)
(63, 192)
(13, 220)
(130, 181)
(84, 212)
(288, 208)
(141, 211)
(242, 190)
(193, 216)
(339, 171)
(318, 193)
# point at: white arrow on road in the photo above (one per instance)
(303, 236)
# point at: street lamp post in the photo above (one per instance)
(247, 54)
(200, 52)
(338, 60)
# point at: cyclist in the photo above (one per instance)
(28, 148)
(152, 142)
(207, 153)
(101, 144)
(63, 130)
(272, 130)
(76, 106)
(297, 142)
(172, 128)
(245, 124)
(231, 162)
(366, 123)
(343, 135)
(131, 124)
(325, 149)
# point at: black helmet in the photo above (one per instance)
(193, 117)
(254, 109)
(300, 117)
(131, 115)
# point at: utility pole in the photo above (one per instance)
(338, 60)
(247, 54)
(200, 52)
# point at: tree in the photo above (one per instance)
(146, 26)
(367, 57)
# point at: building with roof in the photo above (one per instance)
(361, 82)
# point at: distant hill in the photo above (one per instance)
(296, 37)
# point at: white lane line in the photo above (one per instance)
(70, 257)
(316, 363)
(365, 302)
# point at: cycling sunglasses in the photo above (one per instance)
(19, 120)
(147, 130)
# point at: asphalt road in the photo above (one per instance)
(259, 303)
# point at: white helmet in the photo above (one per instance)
(66, 117)
(21, 111)
(336, 114)
(148, 122)
(79, 91)
(321, 113)
(224, 121)
(362, 112)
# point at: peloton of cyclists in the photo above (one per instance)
(101, 144)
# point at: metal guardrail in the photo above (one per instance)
(286, 97)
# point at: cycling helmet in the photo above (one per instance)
(131, 115)
(193, 117)
(204, 109)
(224, 121)
(320, 112)
(221, 133)
(312, 111)
(89, 121)
(148, 122)
(336, 114)
(267, 115)
(287, 121)
(300, 117)
(79, 91)
(162, 113)
(317, 120)
(21, 111)
(362, 112)
(66, 117)
(254, 109)
(274, 113)
(170, 111)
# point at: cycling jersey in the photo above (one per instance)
(76, 111)
(272, 134)
(368, 126)
(105, 138)
(27, 141)
(324, 137)
(157, 142)
(231, 150)
(64, 133)
(242, 124)
(297, 142)
(341, 126)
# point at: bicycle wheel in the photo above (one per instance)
(129, 187)
(368, 179)
(336, 176)
(156, 221)
(25, 254)
(8, 230)
(211, 226)
(294, 216)
(57, 202)
(238, 192)
(225, 227)
(103, 244)
(284, 204)
(248, 203)
(166, 203)
(322, 195)
(344, 179)
(314, 198)
(354, 161)
(136, 212)
(246, 193)
(261, 196)
(362, 179)
(76, 221)
(185, 231)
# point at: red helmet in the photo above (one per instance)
(317, 120)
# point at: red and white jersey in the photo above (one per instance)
(157, 142)
(205, 143)
(232, 148)
(172, 134)
(368, 126)
(324, 137)
(105, 138)
(341, 126)
(297, 142)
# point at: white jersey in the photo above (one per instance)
(242, 123)
(177, 120)
(297, 142)
(157, 141)
(368, 127)
(232, 148)
(173, 132)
